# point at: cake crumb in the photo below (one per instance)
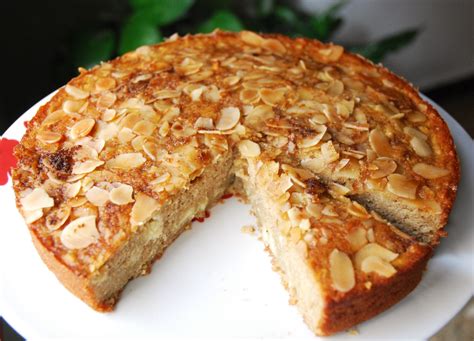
(353, 331)
(249, 229)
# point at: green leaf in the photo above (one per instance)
(265, 7)
(327, 22)
(92, 48)
(378, 50)
(137, 31)
(286, 15)
(224, 20)
(162, 12)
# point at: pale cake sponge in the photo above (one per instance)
(330, 149)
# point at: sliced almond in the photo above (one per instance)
(48, 137)
(106, 83)
(71, 190)
(56, 218)
(204, 123)
(329, 153)
(272, 97)
(151, 149)
(122, 194)
(143, 209)
(377, 265)
(80, 233)
(76, 92)
(82, 128)
(429, 171)
(380, 143)
(358, 210)
(36, 199)
(72, 107)
(165, 94)
(249, 96)
(86, 166)
(106, 100)
(249, 148)
(109, 115)
(357, 238)
(251, 38)
(341, 270)
(32, 216)
(374, 249)
(420, 146)
(126, 161)
(97, 196)
(403, 187)
(382, 167)
(230, 116)
(144, 127)
(274, 45)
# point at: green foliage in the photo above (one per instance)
(147, 21)
(378, 50)
(224, 20)
(138, 30)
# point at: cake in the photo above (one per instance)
(350, 174)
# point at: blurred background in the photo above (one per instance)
(429, 42)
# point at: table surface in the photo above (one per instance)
(458, 100)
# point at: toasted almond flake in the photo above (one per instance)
(97, 196)
(332, 53)
(72, 107)
(71, 190)
(82, 128)
(143, 209)
(329, 152)
(336, 88)
(251, 38)
(106, 100)
(144, 127)
(230, 116)
(86, 183)
(357, 238)
(272, 97)
(76, 92)
(274, 45)
(382, 167)
(86, 166)
(249, 96)
(341, 164)
(48, 137)
(374, 249)
(412, 132)
(151, 149)
(329, 211)
(249, 148)
(165, 94)
(106, 83)
(380, 143)
(358, 210)
(341, 271)
(36, 199)
(77, 202)
(315, 165)
(32, 216)
(400, 185)
(56, 218)
(416, 117)
(126, 161)
(377, 265)
(80, 233)
(55, 117)
(312, 141)
(204, 123)
(231, 80)
(420, 146)
(122, 194)
(428, 171)
(356, 126)
(126, 135)
(109, 114)
(337, 190)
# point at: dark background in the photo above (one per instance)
(36, 42)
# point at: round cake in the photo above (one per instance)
(350, 173)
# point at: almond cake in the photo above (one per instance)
(351, 175)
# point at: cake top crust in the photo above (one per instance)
(120, 139)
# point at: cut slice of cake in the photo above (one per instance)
(329, 148)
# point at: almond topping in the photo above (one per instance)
(380, 143)
(32, 216)
(36, 199)
(358, 210)
(122, 194)
(251, 38)
(57, 218)
(72, 107)
(274, 45)
(357, 238)
(97, 196)
(48, 137)
(377, 265)
(86, 166)
(373, 249)
(76, 92)
(429, 171)
(403, 187)
(382, 167)
(82, 128)
(106, 83)
(71, 190)
(249, 148)
(151, 149)
(230, 116)
(126, 161)
(249, 96)
(204, 123)
(165, 94)
(272, 97)
(106, 100)
(80, 233)
(341, 270)
(420, 146)
(143, 209)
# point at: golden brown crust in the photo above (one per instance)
(124, 137)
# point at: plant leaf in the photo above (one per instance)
(137, 31)
(327, 22)
(92, 48)
(225, 20)
(378, 50)
(162, 12)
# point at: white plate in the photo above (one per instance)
(215, 281)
